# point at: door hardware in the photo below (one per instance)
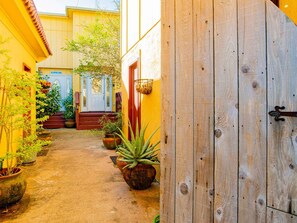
(277, 114)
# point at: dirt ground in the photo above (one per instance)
(77, 182)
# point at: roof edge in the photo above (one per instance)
(32, 11)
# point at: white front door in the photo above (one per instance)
(96, 94)
(65, 84)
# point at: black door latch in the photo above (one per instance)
(277, 114)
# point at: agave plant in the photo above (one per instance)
(138, 150)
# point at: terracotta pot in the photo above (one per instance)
(111, 143)
(45, 90)
(139, 177)
(69, 123)
(12, 187)
(44, 135)
(121, 164)
(30, 159)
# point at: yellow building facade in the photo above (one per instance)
(289, 7)
(140, 51)
(25, 42)
(60, 67)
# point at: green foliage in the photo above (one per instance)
(110, 126)
(29, 146)
(52, 101)
(15, 105)
(1, 162)
(99, 47)
(138, 150)
(41, 116)
(68, 105)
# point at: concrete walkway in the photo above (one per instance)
(77, 182)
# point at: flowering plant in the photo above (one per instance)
(45, 84)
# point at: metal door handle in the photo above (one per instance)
(277, 113)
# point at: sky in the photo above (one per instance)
(58, 6)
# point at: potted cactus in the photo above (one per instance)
(140, 156)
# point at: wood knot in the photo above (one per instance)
(242, 176)
(255, 84)
(219, 211)
(291, 166)
(184, 189)
(218, 133)
(245, 69)
(261, 201)
(211, 192)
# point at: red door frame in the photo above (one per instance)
(134, 103)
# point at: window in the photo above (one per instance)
(26, 68)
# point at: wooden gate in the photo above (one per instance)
(225, 65)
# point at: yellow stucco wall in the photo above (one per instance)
(141, 41)
(289, 7)
(60, 28)
(147, 51)
(20, 50)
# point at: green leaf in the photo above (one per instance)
(148, 162)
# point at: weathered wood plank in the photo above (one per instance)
(252, 111)
(275, 216)
(282, 91)
(226, 111)
(167, 188)
(203, 110)
(184, 111)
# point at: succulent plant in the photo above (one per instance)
(138, 150)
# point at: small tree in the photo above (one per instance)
(99, 47)
(16, 104)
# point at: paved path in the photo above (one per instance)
(77, 182)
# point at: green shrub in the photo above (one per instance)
(68, 105)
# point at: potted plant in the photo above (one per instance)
(41, 116)
(50, 102)
(28, 148)
(69, 110)
(140, 156)
(111, 128)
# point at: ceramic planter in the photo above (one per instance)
(121, 164)
(139, 177)
(12, 187)
(30, 159)
(69, 123)
(44, 135)
(112, 142)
